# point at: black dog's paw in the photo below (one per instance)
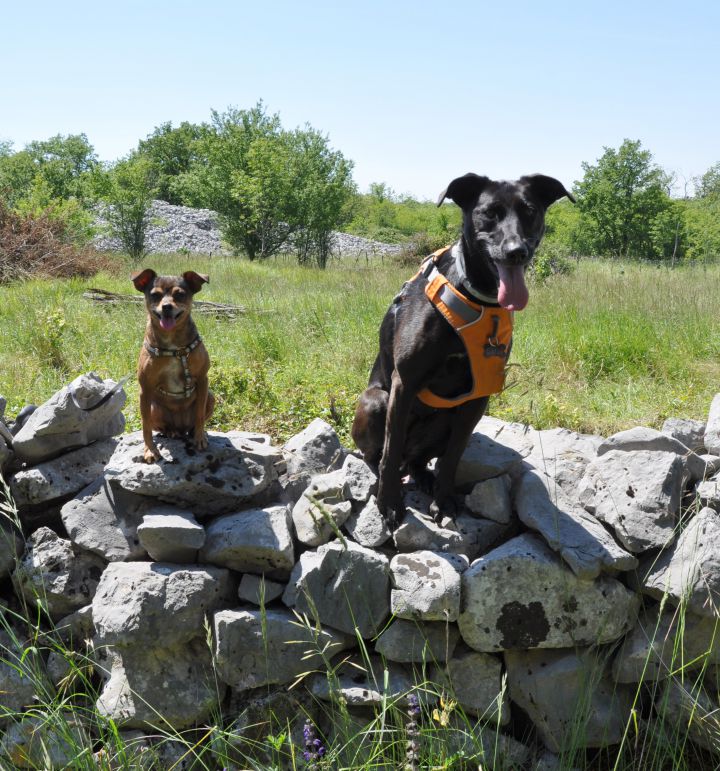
(444, 508)
(391, 510)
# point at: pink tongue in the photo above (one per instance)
(167, 323)
(512, 293)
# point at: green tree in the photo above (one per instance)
(709, 184)
(619, 198)
(128, 189)
(173, 151)
(321, 200)
(64, 163)
(266, 183)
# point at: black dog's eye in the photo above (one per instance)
(494, 213)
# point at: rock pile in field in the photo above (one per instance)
(197, 231)
(247, 566)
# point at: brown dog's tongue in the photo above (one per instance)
(512, 293)
(166, 323)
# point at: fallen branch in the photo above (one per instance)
(199, 306)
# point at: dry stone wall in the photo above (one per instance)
(562, 573)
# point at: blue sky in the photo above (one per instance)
(415, 93)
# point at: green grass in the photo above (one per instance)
(607, 347)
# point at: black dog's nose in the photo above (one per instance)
(516, 251)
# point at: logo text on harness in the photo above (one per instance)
(493, 347)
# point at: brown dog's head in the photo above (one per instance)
(168, 298)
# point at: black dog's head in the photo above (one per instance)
(503, 224)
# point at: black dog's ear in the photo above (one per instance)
(545, 189)
(195, 280)
(464, 190)
(143, 278)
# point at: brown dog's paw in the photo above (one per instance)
(151, 454)
(200, 441)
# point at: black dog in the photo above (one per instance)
(421, 353)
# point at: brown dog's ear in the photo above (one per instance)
(544, 189)
(143, 278)
(464, 190)
(195, 280)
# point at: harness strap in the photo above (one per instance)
(486, 333)
(177, 353)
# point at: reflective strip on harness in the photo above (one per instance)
(486, 333)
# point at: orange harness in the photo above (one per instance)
(486, 334)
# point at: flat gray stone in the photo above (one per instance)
(362, 682)
(563, 455)
(494, 448)
(408, 642)
(321, 509)
(690, 432)
(650, 440)
(169, 534)
(104, 520)
(690, 570)
(346, 587)
(255, 648)
(426, 585)
(491, 499)
(687, 707)
(259, 590)
(474, 680)
(637, 494)
(419, 531)
(141, 683)
(521, 595)
(567, 528)
(82, 412)
(569, 697)
(360, 481)
(368, 526)
(708, 493)
(146, 604)
(315, 450)
(251, 541)
(55, 575)
(215, 481)
(55, 481)
(660, 644)
(712, 428)
(18, 690)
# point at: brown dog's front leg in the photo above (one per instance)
(464, 421)
(389, 498)
(151, 452)
(201, 413)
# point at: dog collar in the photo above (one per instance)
(178, 353)
(459, 257)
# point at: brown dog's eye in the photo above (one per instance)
(179, 295)
(156, 295)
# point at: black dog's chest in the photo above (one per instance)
(453, 376)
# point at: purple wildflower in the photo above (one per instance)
(314, 748)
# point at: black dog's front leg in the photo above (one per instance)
(389, 498)
(464, 421)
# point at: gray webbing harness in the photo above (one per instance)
(177, 353)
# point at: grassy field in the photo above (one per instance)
(610, 346)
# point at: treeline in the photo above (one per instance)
(625, 209)
(276, 189)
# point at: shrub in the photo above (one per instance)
(40, 244)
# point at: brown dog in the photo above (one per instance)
(173, 365)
